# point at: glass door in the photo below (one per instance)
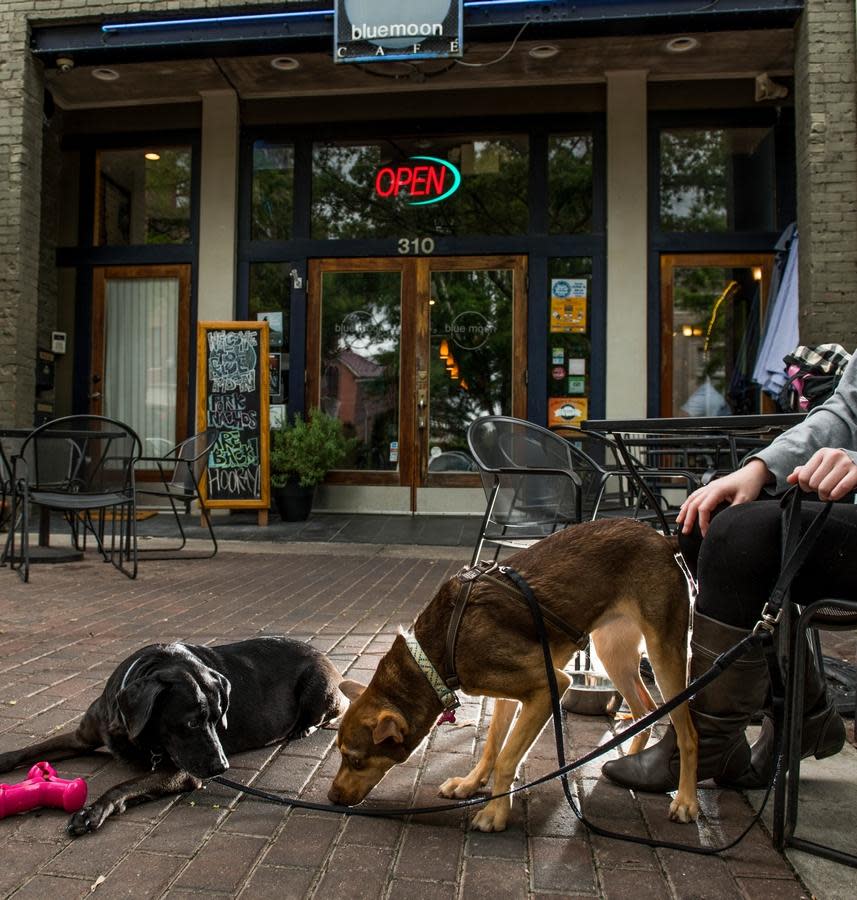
(139, 351)
(408, 352)
(712, 308)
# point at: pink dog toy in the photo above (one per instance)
(42, 788)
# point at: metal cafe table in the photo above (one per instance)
(729, 429)
(734, 435)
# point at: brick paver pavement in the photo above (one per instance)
(62, 634)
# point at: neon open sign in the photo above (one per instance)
(419, 181)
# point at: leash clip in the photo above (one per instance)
(771, 616)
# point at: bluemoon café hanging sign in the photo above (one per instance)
(379, 30)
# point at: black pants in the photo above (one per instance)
(738, 561)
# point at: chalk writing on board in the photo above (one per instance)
(234, 482)
(230, 410)
(231, 452)
(232, 358)
(233, 379)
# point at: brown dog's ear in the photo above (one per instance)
(390, 724)
(351, 689)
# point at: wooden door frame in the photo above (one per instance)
(416, 283)
(100, 276)
(671, 261)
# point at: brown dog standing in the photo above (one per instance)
(616, 580)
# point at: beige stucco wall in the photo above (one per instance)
(626, 243)
(218, 206)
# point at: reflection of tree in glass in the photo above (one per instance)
(361, 322)
(570, 183)
(694, 179)
(695, 293)
(269, 292)
(491, 199)
(168, 197)
(483, 385)
(273, 176)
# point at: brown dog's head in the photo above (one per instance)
(373, 737)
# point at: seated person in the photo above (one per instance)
(738, 565)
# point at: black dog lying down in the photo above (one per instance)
(164, 709)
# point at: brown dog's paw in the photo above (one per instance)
(493, 817)
(458, 788)
(682, 810)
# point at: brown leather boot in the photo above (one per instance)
(721, 712)
(822, 734)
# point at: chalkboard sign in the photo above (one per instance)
(232, 399)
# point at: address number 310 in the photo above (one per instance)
(418, 246)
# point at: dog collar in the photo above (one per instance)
(448, 698)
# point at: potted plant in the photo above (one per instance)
(302, 452)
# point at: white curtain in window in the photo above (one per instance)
(141, 317)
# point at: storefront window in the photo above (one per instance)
(717, 179)
(715, 333)
(570, 183)
(269, 299)
(569, 344)
(360, 332)
(470, 372)
(143, 196)
(380, 188)
(273, 191)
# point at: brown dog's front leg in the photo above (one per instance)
(534, 713)
(135, 790)
(501, 721)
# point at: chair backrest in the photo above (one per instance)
(452, 461)
(191, 458)
(82, 455)
(9, 448)
(507, 451)
(595, 457)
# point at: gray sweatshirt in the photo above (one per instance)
(833, 424)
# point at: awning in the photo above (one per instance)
(308, 26)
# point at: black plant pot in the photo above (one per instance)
(293, 502)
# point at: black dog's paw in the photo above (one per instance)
(88, 819)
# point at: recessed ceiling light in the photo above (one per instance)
(152, 156)
(105, 74)
(285, 63)
(681, 44)
(543, 51)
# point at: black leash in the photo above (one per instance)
(795, 551)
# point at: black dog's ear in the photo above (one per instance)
(224, 688)
(136, 703)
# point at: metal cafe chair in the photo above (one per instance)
(530, 485)
(8, 448)
(804, 649)
(82, 466)
(180, 472)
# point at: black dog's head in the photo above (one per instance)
(175, 708)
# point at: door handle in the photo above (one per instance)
(96, 395)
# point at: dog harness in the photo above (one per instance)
(445, 688)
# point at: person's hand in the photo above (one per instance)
(740, 486)
(829, 473)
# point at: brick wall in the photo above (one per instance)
(27, 276)
(826, 107)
